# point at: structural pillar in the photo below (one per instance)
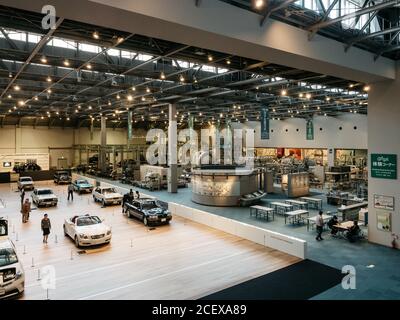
(383, 143)
(172, 151)
(331, 157)
(103, 145)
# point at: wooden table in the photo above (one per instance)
(315, 202)
(297, 204)
(281, 207)
(312, 220)
(262, 211)
(296, 216)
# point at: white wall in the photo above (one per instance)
(383, 137)
(55, 141)
(329, 137)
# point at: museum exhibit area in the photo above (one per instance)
(135, 152)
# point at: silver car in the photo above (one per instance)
(12, 277)
(25, 183)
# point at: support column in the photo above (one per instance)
(103, 145)
(172, 151)
(18, 140)
(383, 132)
(331, 157)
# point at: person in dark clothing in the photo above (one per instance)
(331, 225)
(137, 195)
(319, 222)
(128, 197)
(353, 232)
(46, 226)
(22, 196)
(70, 191)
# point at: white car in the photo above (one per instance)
(87, 230)
(44, 197)
(107, 195)
(12, 277)
(25, 183)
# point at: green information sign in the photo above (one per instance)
(384, 166)
(310, 129)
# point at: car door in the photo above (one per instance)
(68, 227)
(34, 196)
(135, 209)
(96, 193)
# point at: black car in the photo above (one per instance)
(148, 211)
(61, 177)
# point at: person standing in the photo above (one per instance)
(319, 222)
(70, 191)
(26, 209)
(46, 226)
(137, 195)
(22, 196)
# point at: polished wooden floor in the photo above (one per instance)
(184, 260)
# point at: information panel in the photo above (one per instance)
(264, 124)
(384, 166)
(310, 130)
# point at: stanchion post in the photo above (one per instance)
(33, 262)
(38, 275)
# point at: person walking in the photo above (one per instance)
(319, 222)
(26, 209)
(137, 195)
(22, 196)
(70, 191)
(46, 226)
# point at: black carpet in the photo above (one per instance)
(300, 281)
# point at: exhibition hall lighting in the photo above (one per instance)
(130, 98)
(143, 99)
(133, 88)
(210, 58)
(328, 98)
(17, 88)
(43, 59)
(181, 78)
(259, 4)
(162, 76)
(96, 35)
(21, 103)
(308, 95)
(68, 119)
(118, 96)
(367, 88)
(49, 79)
(66, 63)
(36, 98)
(49, 91)
(89, 66)
(283, 92)
(228, 62)
(300, 95)
(10, 75)
(9, 96)
(148, 90)
(351, 85)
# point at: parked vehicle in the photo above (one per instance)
(87, 230)
(23, 167)
(107, 195)
(25, 183)
(148, 211)
(44, 197)
(3, 227)
(82, 185)
(62, 177)
(12, 277)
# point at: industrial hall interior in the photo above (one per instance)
(199, 150)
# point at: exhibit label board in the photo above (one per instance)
(264, 124)
(384, 166)
(129, 126)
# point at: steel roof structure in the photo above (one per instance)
(71, 75)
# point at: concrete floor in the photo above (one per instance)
(183, 260)
(382, 281)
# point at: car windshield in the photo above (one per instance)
(149, 205)
(63, 173)
(7, 256)
(88, 221)
(25, 179)
(82, 182)
(45, 192)
(109, 190)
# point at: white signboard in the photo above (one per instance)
(7, 161)
(383, 202)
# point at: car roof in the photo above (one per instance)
(42, 189)
(25, 177)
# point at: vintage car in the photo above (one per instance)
(62, 177)
(148, 211)
(82, 185)
(107, 195)
(12, 277)
(25, 183)
(87, 230)
(44, 197)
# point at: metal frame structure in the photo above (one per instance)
(46, 84)
(328, 17)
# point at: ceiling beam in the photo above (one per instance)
(277, 7)
(388, 47)
(37, 48)
(323, 24)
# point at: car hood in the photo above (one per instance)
(112, 195)
(93, 229)
(156, 211)
(46, 196)
(84, 185)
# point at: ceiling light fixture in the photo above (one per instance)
(89, 66)
(130, 98)
(66, 63)
(148, 90)
(283, 92)
(49, 79)
(43, 59)
(96, 35)
(259, 4)
(367, 88)
(162, 76)
(210, 58)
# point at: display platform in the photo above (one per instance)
(222, 185)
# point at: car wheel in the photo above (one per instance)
(145, 222)
(103, 203)
(94, 199)
(65, 231)
(77, 242)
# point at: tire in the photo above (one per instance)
(103, 203)
(94, 199)
(129, 213)
(145, 222)
(65, 232)
(77, 242)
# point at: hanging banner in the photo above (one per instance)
(129, 126)
(264, 124)
(91, 129)
(310, 129)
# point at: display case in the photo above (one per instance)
(296, 184)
